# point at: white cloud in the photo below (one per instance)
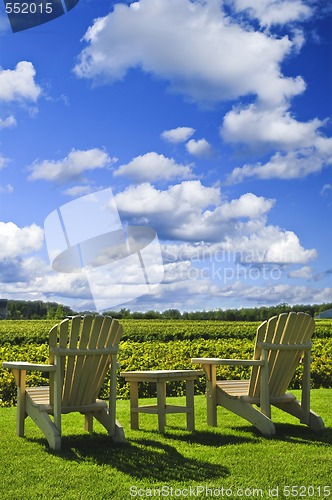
(16, 241)
(285, 247)
(205, 55)
(178, 212)
(179, 134)
(195, 294)
(6, 189)
(19, 84)
(153, 167)
(260, 126)
(3, 161)
(200, 148)
(247, 206)
(301, 148)
(292, 165)
(277, 293)
(303, 272)
(251, 244)
(191, 212)
(325, 189)
(78, 190)
(4, 25)
(7, 122)
(70, 167)
(270, 12)
(31, 278)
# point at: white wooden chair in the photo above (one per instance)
(82, 350)
(281, 343)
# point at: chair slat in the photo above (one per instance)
(53, 340)
(80, 360)
(74, 336)
(93, 390)
(280, 373)
(110, 332)
(276, 338)
(302, 332)
(91, 363)
(264, 332)
(260, 335)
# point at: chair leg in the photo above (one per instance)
(294, 408)
(45, 424)
(119, 436)
(316, 422)
(115, 431)
(246, 411)
(21, 414)
(88, 422)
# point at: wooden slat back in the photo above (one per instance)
(265, 332)
(300, 332)
(101, 363)
(79, 361)
(286, 329)
(91, 362)
(110, 336)
(70, 362)
(83, 375)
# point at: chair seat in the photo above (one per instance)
(40, 396)
(235, 388)
(240, 389)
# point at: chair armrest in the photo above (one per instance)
(233, 362)
(22, 365)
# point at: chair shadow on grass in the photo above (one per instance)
(211, 437)
(292, 433)
(237, 434)
(139, 458)
(296, 433)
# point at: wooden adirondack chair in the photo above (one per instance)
(82, 350)
(281, 343)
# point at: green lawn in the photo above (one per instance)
(231, 461)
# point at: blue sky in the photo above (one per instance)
(211, 123)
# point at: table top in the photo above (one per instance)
(155, 375)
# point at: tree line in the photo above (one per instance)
(37, 309)
(20, 309)
(242, 314)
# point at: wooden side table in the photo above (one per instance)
(160, 377)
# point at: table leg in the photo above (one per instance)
(133, 388)
(161, 403)
(210, 371)
(190, 405)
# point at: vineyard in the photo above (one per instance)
(160, 344)
(19, 332)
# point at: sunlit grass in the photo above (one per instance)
(232, 456)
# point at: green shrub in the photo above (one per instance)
(17, 332)
(153, 355)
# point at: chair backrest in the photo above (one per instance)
(83, 348)
(292, 333)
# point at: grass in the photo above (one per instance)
(230, 460)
